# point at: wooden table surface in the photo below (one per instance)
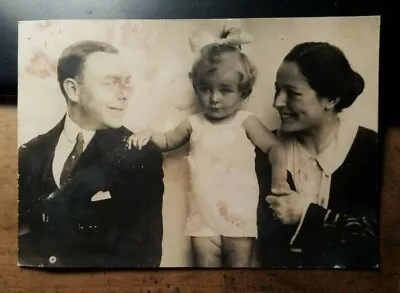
(15, 279)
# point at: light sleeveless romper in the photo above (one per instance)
(224, 189)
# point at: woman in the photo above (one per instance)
(329, 218)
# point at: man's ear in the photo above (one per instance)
(72, 89)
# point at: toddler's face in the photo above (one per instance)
(219, 94)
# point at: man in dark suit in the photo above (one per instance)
(84, 199)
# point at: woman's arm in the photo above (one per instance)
(347, 240)
(335, 227)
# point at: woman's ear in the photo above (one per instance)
(331, 103)
(72, 89)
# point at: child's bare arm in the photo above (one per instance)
(264, 139)
(178, 136)
(167, 141)
(278, 160)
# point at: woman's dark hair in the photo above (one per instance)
(328, 72)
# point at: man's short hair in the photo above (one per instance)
(72, 59)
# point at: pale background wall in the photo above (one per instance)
(160, 58)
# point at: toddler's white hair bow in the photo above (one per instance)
(235, 36)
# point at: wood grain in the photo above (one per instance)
(14, 279)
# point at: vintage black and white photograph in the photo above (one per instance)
(203, 143)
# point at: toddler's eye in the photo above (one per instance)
(226, 90)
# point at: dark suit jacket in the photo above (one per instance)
(347, 236)
(68, 229)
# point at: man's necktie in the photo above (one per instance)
(72, 158)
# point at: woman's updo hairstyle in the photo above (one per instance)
(328, 72)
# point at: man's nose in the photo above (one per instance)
(122, 96)
(124, 91)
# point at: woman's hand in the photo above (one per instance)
(139, 140)
(288, 206)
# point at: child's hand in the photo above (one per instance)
(280, 189)
(138, 140)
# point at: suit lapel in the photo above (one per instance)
(48, 149)
(102, 142)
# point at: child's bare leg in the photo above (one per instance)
(238, 251)
(207, 251)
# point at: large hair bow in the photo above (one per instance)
(235, 36)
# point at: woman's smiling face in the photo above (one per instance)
(299, 106)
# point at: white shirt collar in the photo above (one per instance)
(331, 158)
(71, 130)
